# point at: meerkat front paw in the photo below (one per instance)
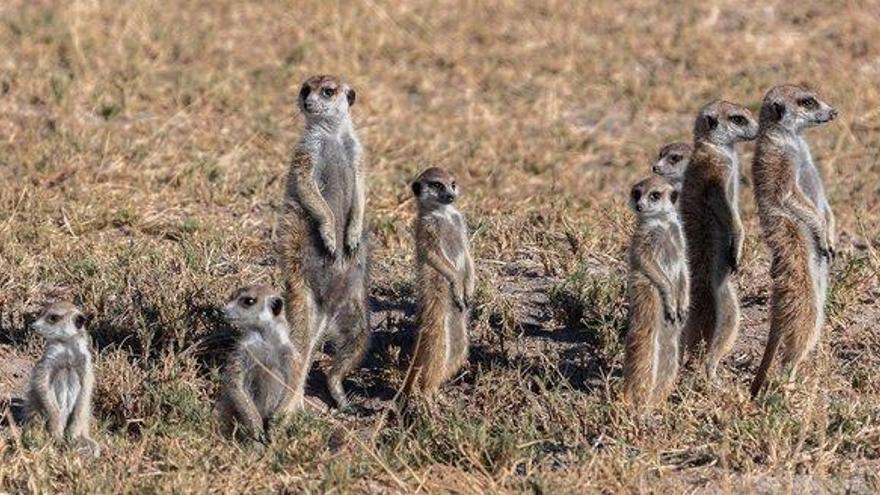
(328, 236)
(352, 238)
(458, 297)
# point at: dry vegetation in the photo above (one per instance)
(142, 156)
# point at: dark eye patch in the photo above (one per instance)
(655, 196)
(53, 318)
(808, 102)
(739, 120)
(247, 301)
(636, 195)
(328, 92)
(436, 185)
(674, 158)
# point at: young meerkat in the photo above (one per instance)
(658, 293)
(672, 161)
(713, 230)
(63, 379)
(445, 281)
(797, 222)
(256, 378)
(323, 248)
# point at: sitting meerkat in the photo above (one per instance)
(63, 379)
(445, 285)
(658, 293)
(255, 381)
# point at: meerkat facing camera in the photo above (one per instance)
(658, 293)
(797, 222)
(255, 381)
(445, 283)
(713, 229)
(63, 379)
(323, 243)
(672, 161)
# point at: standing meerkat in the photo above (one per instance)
(713, 230)
(672, 161)
(797, 222)
(445, 284)
(63, 379)
(255, 381)
(323, 243)
(657, 291)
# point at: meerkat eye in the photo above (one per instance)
(808, 102)
(328, 92)
(655, 196)
(247, 301)
(53, 319)
(436, 185)
(674, 158)
(739, 120)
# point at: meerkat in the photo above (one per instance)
(255, 381)
(445, 281)
(672, 161)
(797, 222)
(658, 293)
(323, 241)
(713, 229)
(63, 379)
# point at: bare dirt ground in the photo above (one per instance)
(142, 159)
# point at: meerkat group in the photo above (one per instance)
(684, 252)
(798, 228)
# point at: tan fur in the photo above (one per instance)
(797, 222)
(658, 294)
(713, 229)
(445, 286)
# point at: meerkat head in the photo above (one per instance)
(325, 97)
(435, 188)
(653, 197)
(795, 108)
(672, 161)
(724, 123)
(255, 306)
(60, 321)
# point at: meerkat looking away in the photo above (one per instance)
(672, 161)
(446, 280)
(255, 381)
(657, 291)
(323, 242)
(713, 230)
(797, 222)
(63, 379)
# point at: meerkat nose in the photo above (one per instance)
(833, 113)
(656, 169)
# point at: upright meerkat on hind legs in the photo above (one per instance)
(658, 294)
(713, 230)
(797, 222)
(445, 284)
(323, 242)
(63, 379)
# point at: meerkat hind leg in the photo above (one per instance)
(350, 349)
(726, 328)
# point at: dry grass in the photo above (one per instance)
(142, 151)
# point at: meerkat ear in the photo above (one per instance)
(711, 122)
(277, 306)
(351, 95)
(417, 188)
(673, 196)
(79, 321)
(778, 110)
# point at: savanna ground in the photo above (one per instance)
(142, 159)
